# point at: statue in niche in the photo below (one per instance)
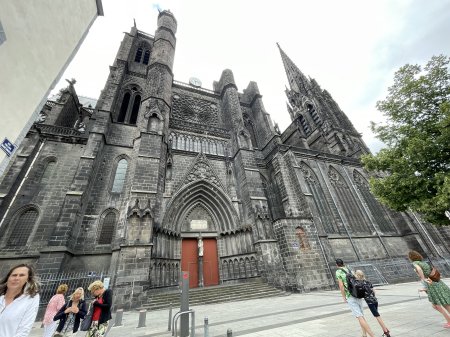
(200, 246)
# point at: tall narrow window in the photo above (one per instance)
(304, 124)
(22, 228)
(119, 178)
(107, 230)
(312, 111)
(138, 56)
(48, 171)
(146, 57)
(124, 108)
(134, 112)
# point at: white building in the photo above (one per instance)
(38, 40)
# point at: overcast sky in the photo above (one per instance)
(351, 47)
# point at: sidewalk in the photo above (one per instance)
(317, 314)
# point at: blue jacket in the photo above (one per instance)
(62, 316)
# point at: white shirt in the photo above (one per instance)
(16, 320)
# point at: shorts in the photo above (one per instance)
(356, 306)
(374, 309)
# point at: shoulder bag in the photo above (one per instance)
(87, 321)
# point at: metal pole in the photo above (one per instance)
(192, 323)
(229, 333)
(206, 333)
(170, 318)
(184, 304)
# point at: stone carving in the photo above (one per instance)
(308, 174)
(41, 118)
(359, 180)
(335, 178)
(200, 246)
(195, 110)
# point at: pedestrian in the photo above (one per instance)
(19, 301)
(102, 309)
(70, 315)
(371, 300)
(355, 304)
(56, 302)
(438, 292)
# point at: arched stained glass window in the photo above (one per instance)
(138, 56)
(22, 228)
(107, 229)
(134, 112)
(48, 170)
(119, 178)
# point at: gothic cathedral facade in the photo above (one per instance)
(159, 176)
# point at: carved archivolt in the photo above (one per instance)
(205, 194)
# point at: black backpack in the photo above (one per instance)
(354, 286)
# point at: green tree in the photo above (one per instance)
(413, 171)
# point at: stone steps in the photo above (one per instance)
(252, 289)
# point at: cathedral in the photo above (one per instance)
(159, 176)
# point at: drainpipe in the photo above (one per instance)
(21, 183)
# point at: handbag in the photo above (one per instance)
(87, 321)
(435, 275)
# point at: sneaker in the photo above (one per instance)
(386, 334)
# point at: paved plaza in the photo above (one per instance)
(317, 314)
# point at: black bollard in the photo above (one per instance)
(206, 334)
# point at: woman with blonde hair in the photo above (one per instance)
(71, 314)
(371, 300)
(55, 303)
(19, 301)
(102, 309)
(438, 292)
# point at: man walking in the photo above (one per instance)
(355, 304)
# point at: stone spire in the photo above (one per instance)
(297, 80)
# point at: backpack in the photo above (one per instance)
(354, 286)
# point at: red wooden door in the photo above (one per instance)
(189, 260)
(210, 263)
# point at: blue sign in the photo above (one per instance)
(8, 147)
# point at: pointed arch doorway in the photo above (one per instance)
(200, 207)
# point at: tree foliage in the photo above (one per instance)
(413, 171)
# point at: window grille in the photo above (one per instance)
(23, 228)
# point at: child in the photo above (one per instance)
(371, 300)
